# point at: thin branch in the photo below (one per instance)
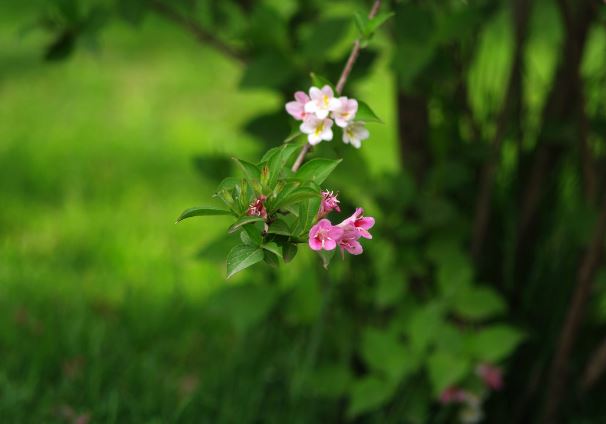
(521, 16)
(201, 34)
(574, 318)
(351, 60)
(596, 366)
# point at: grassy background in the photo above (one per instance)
(102, 296)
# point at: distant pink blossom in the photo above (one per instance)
(317, 129)
(453, 395)
(322, 101)
(324, 236)
(346, 111)
(257, 207)
(490, 375)
(296, 108)
(329, 203)
(360, 223)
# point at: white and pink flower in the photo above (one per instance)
(346, 111)
(296, 108)
(317, 129)
(322, 101)
(354, 133)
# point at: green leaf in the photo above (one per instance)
(494, 343)
(202, 211)
(423, 326)
(308, 211)
(319, 81)
(296, 196)
(279, 227)
(271, 258)
(317, 170)
(478, 303)
(375, 23)
(383, 352)
(278, 162)
(446, 369)
(251, 172)
(289, 251)
(228, 183)
(361, 22)
(254, 232)
(365, 113)
(330, 381)
(368, 394)
(273, 247)
(241, 257)
(326, 256)
(245, 220)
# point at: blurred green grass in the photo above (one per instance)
(101, 292)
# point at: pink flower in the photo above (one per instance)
(349, 240)
(345, 112)
(324, 235)
(257, 208)
(360, 223)
(297, 108)
(329, 203)
(453, 395)
(317, 129)
(322, 101)
(490, 375)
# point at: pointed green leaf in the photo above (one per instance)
(368, 394)
(243, 221)
(375, 23)
(361, 23)
(273, 248)
(279, 227)
(326, 256)
(241, 257)
(278, 162)
(289, 251)
(251, 171)
(317, 170)
(202, 211)
(446, 369)
(308, 211)
(297, 195)
(271, 258)
(365, 113)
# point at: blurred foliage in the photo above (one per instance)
(378, 338)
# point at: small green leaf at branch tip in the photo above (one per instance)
(202, 211)
(242, 257)
(245, 220)
(366, 114)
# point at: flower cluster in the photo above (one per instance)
(320, 109)
(325, 236)
(472, 413)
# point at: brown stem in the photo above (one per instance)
(351, 60)
(574, 318)
(201, 34)
(595, 367)
(482, 208)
